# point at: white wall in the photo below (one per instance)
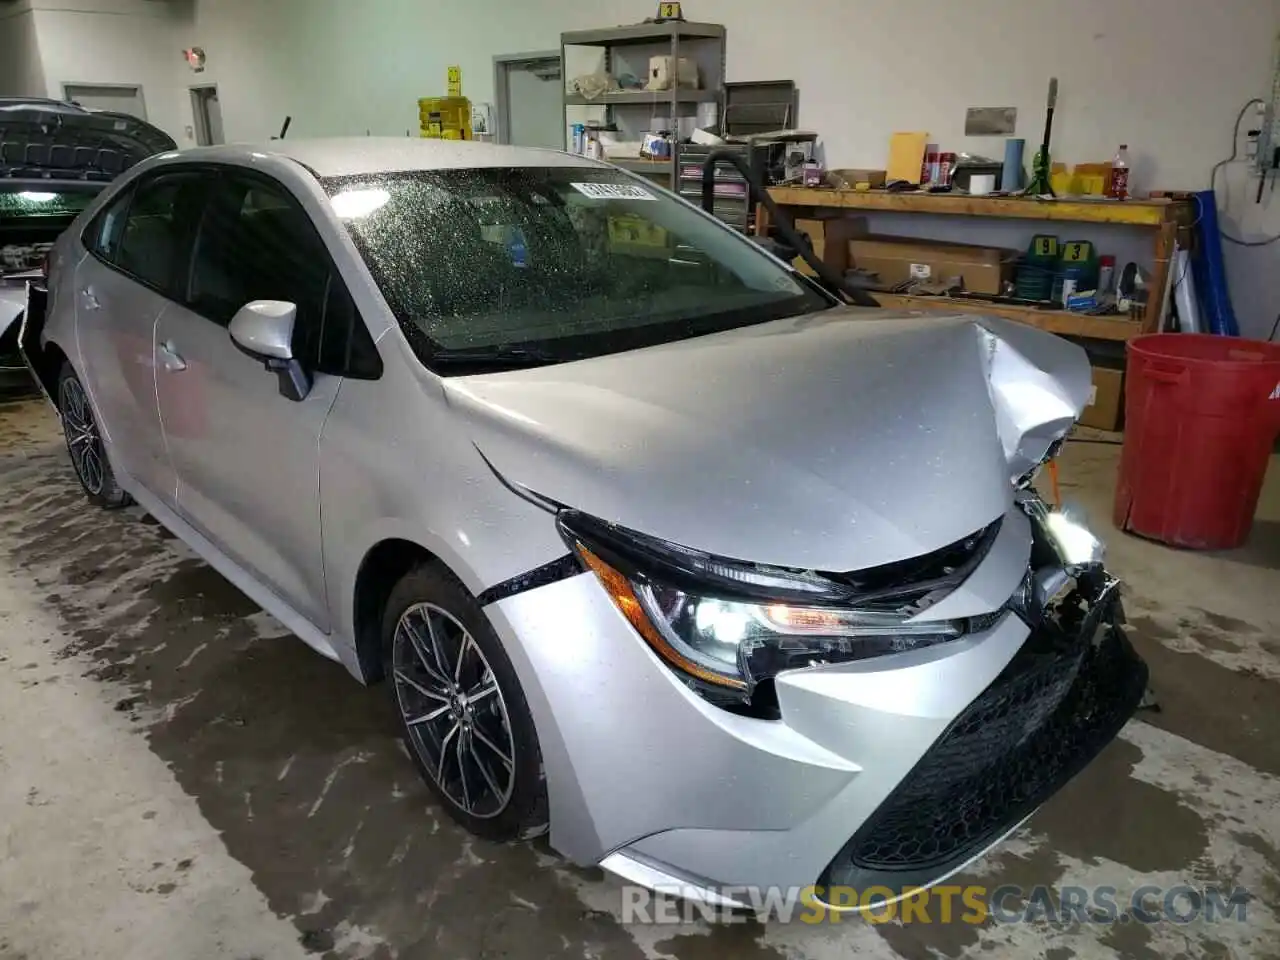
(1164, 76)
(117, 42)
(20, 71)
(252, 60)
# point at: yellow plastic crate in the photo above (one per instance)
(445, 118)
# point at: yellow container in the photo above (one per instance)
(1091, 178)
(445, 118)
(628, 232)
(1062, 180)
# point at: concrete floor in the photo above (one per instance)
(179, 778)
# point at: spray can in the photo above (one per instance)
(946, 167)
(929, 166)
(1106, 273)
(576, 140)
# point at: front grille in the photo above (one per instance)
(1047, 715)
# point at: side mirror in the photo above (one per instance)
(263, 329)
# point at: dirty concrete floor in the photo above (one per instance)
(180, 778)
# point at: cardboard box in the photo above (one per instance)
(830, 238)
(666, 72)
(1105, 407)
(900, 259)
(849, 178)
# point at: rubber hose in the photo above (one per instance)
(831, 279)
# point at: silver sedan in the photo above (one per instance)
(654, 543)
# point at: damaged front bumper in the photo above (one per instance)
(891, 771)
(1061, 699)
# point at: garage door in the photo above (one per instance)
(120, 99)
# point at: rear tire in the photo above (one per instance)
(463, 715)
(84, 444)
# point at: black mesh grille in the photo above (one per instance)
(1052, 709)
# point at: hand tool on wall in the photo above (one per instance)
(1041, 165)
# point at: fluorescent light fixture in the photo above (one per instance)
(34, 196)
(354, 204)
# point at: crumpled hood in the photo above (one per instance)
(828, 442)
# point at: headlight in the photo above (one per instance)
(727, 625)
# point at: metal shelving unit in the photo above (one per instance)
(627, 49)
(645, 98)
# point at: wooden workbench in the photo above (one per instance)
(1162, 217)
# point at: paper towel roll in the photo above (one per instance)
(981, 184)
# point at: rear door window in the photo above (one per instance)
(156, 228)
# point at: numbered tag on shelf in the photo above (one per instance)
(1044, 247)
(455, 81)
(1077, 251)
(668, 11)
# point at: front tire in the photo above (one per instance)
(84, 444)
(463, 715)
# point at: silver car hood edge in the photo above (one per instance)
(834, 441)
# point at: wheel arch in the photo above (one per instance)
(48, 361)
(380, 569)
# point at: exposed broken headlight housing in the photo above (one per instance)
(1074, 543)
(727, 625)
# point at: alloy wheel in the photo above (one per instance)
(84, 441)
(453, 710)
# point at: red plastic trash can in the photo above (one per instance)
(1201, 415)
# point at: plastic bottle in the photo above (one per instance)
(1118, 178)
(517, 248)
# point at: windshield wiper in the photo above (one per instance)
(496, 356)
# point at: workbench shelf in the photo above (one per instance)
(1065, 323)
(1163, 217)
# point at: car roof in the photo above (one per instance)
(355, 156)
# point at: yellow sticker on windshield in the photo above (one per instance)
(630, 230)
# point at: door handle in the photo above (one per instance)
(170, 357)
(89, 300)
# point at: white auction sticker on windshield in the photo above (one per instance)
(613, 191)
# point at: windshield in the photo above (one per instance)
(519, 266)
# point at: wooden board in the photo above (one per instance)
(1055, 321)
(1143, 213)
